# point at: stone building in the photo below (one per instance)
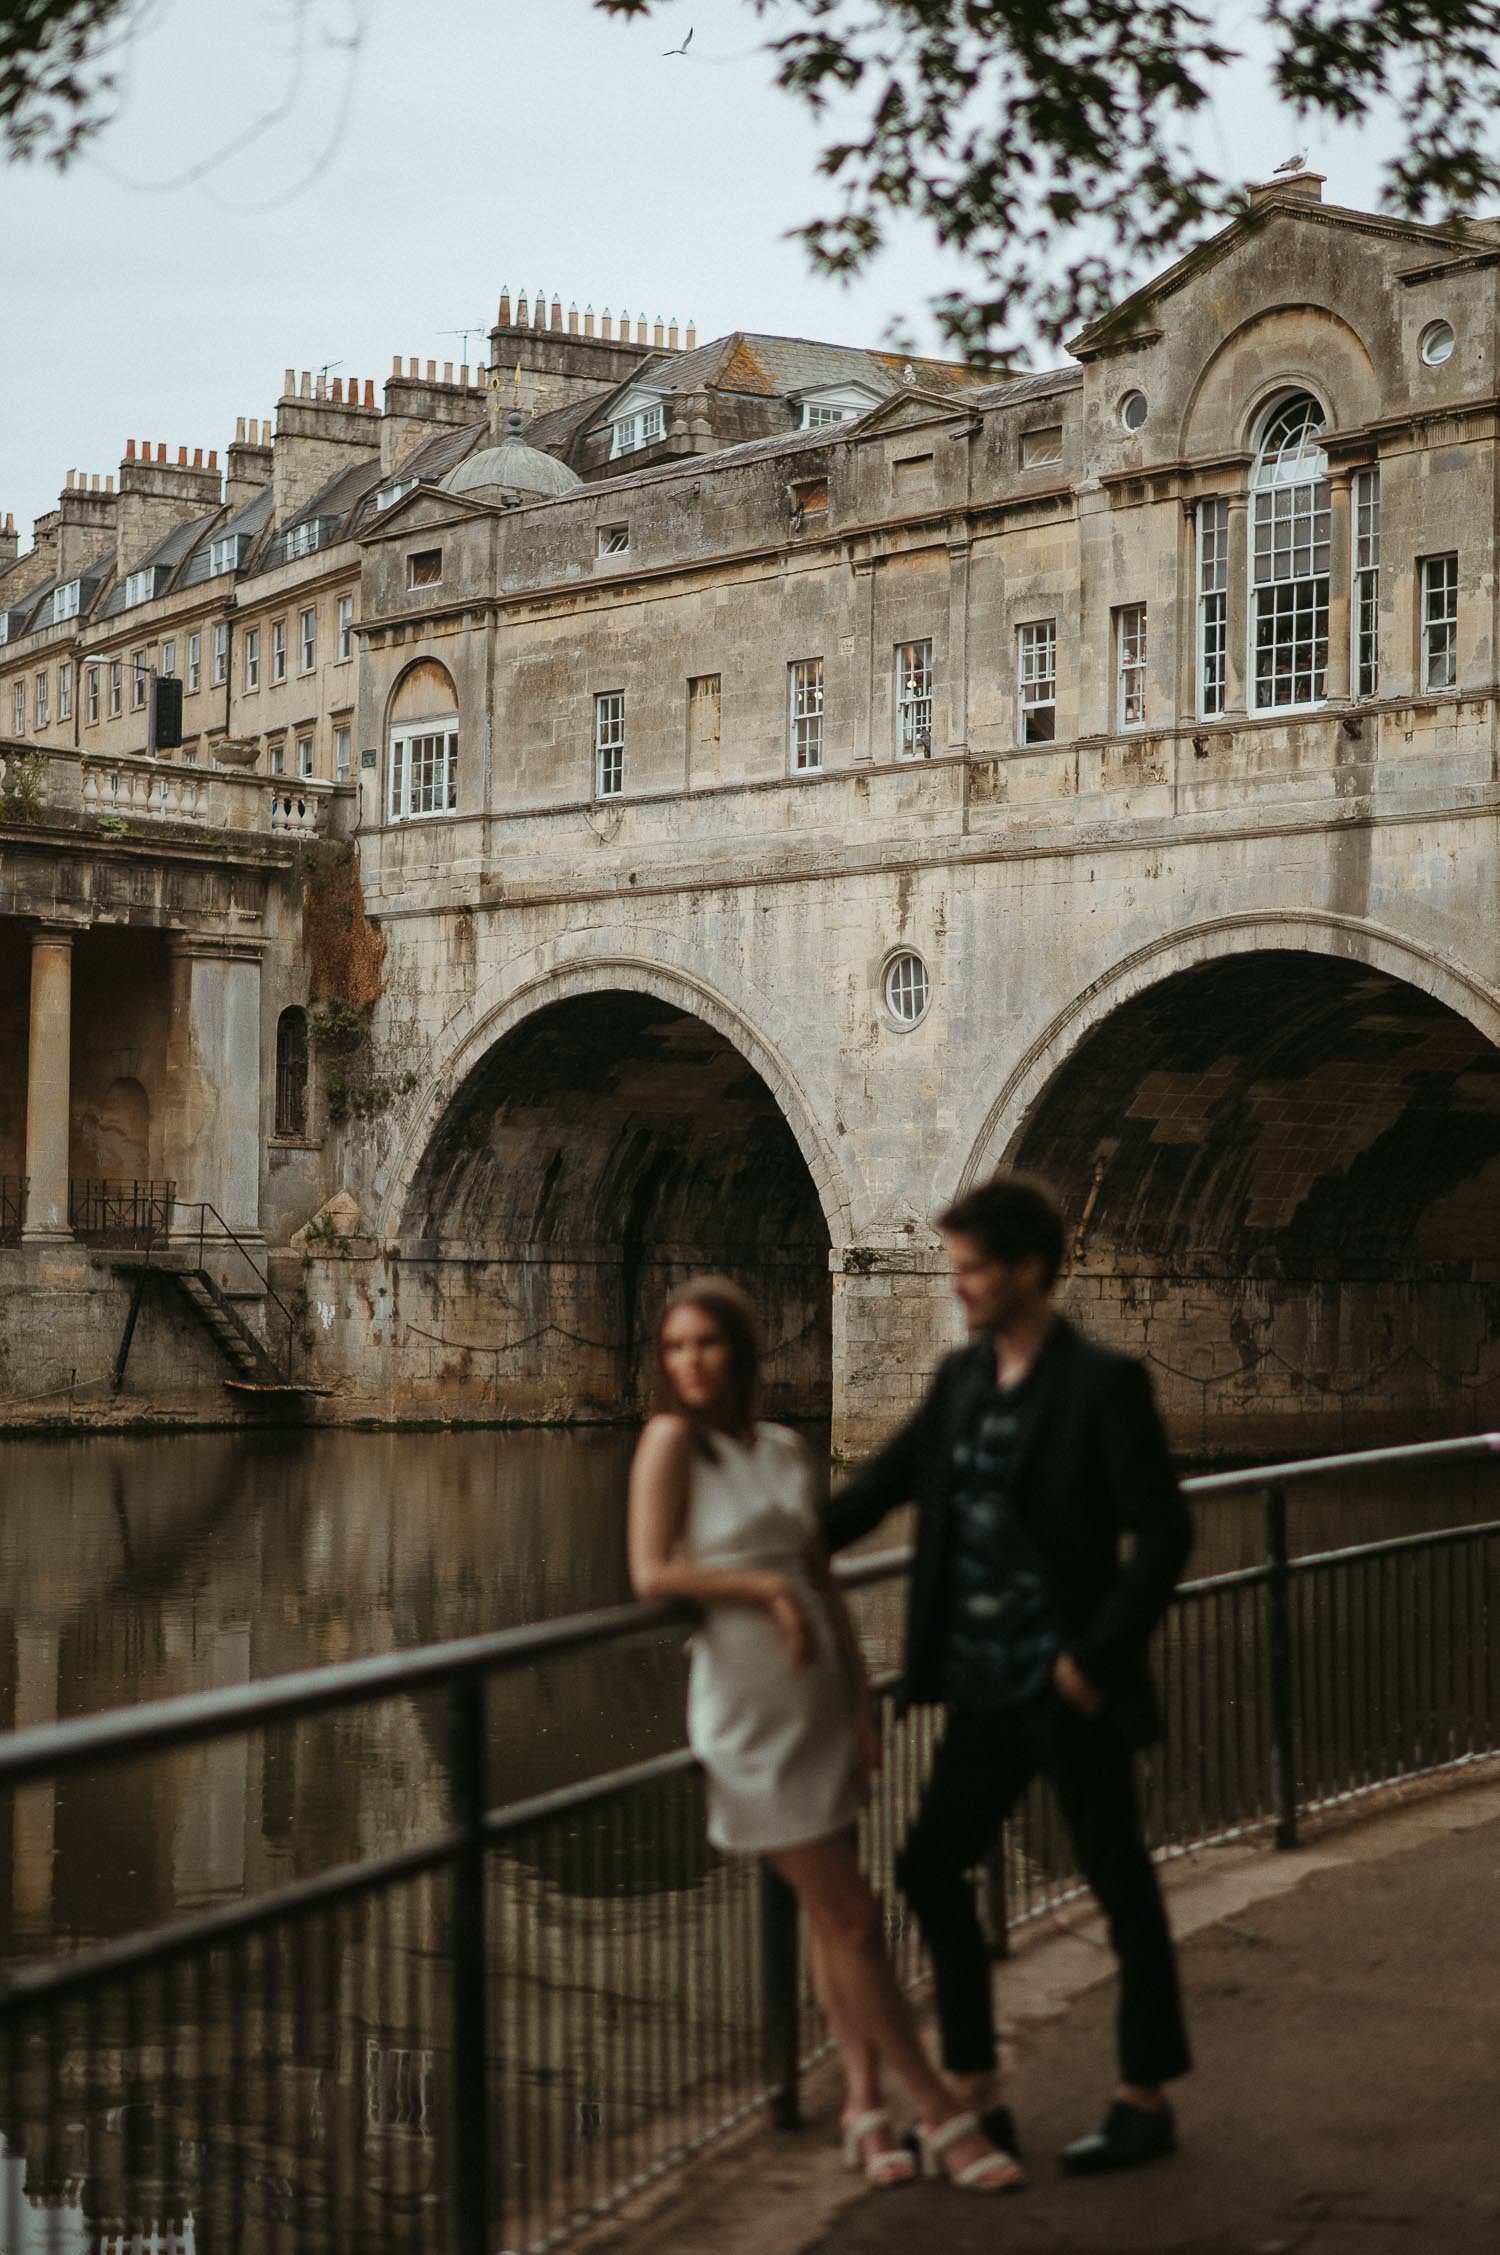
(784, 781)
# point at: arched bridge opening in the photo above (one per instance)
(607, 1147)
(1282, 1178)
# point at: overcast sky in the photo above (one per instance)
(465, 145)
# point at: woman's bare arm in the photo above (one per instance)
(661, 1566)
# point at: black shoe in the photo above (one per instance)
(998, 2125)
(1127, 2136)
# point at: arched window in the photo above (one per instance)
(291, 1072)
(1289, 533)
(422, 744)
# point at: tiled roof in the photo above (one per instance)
(1021, 388)
(780, 367)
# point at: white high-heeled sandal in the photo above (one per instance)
(893, 2165)
(992, 2172)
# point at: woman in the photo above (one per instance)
(779, 1706)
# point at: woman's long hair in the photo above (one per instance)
(726, 1304)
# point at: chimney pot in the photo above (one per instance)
(520, 320)
(109, 481)
(182, 457)
(395, 363)
(161, 450)
(369, 392)
(306, 387)
(289, 388)
(640, 329)
(94, 486)
(659, 336)
(447, 371)
(320, 387)
(338, 391)
(197, 457)
(557, 313)
(68, 482)
(606, 324)
(463, 374)
(572, 320)
(213, 458)
(432, 371)
(588, 320)
(672, 334)
(239, 430)
(411, 366)
(541, 309)
(502, 318)
(691, 337)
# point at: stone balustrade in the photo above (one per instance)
(136, 789)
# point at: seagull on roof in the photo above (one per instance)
(1292, 164)
(682, 50)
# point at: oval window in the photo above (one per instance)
(1133, 410)
(907, 987)
(1437, 343)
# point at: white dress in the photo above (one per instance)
(777, 1745)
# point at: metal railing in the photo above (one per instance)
(119, 1213)
(495, 2032)
(294, 1324)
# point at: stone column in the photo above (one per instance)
(48, 1085)
(212, 1130)
(1237, 636)
(1336, 678)
(34, 1822)
(864, 660)
(958, 643)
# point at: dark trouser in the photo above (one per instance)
(984, 1763)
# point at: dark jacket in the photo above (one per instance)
(1092, 1468)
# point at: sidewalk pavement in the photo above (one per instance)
(1344, 2002)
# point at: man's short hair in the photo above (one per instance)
(1011, 1216)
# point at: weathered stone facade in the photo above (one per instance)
(1153, 711)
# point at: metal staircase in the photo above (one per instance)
(255, 1369)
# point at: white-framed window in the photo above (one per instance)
(818, 415)
(346, 627)
(195, 662)
(613, 540)
(220, 668)
(304, 755)
(20, 708)
(906, 987)
(424, 768)
(65, 690)
(224, 553)
(643, 428)
(307, 639)
(389, 495)
(137, 680)
(914, 700)
(609, 744)
(252, 657)
(1289, 534)
(91, 696)
(805, 715)
(1213, 605)
(1036, 681)
(424, 568)
(43, 702)
(168, 664)
(1130, 666)
(1365, 527)
(65, 601)
(1440, 622)
(278, 756)
(139, 587)
(116, 685)
(343, 756)
(278, 649)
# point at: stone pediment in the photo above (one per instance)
(910, 409)
(426, 507)
(1135, 319)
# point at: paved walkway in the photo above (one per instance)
(1345, 2007)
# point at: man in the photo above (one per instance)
(1034, 1453)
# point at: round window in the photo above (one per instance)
(1133, 410)
(1437, 343)
(907, 987)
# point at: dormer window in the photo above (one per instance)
(141, 586)
(224, 553)
(65, 601)
(388, 495)
(817, 414)
(1289, 544)
(643, 427)
(833, 404)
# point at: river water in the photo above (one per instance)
(132, 1568)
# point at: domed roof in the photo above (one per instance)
(512, 467)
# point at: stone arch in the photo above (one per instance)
(1277, 1144)
(421, 691)
(1277, 349)
(607, 1129)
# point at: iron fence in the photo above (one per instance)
(12, 1207)
(120, 1213)
(493, 2034)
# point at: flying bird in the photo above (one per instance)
(682, 50)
